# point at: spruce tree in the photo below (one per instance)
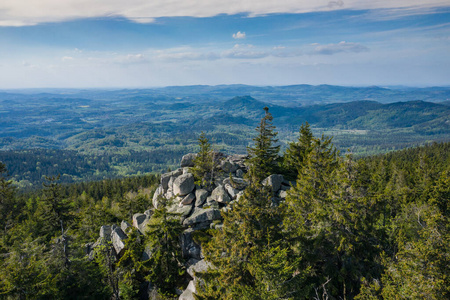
(165, 267)
(330, 220)
(263, 156)
(204, 163)
(249, 255)
(54, 211)
(295, 155)
(9, 208)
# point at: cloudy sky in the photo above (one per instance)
(148, 43)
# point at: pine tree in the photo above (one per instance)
(330, 221)
(204, 163)
(54, 211)
(295, 155)
(250, 257)
(263, 156)
(309, 195)
(131, 267)
(9, 206)
(164, 230)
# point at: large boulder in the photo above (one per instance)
(201, 215)
(182, 210)
(125, 226)
(282, 194)
(236, 182)
(158, 193)
(211, 203)
(231, 191)
(188, 199)
(188, 292)
(220, 195)
(197, 266)
(165, 181)
(189, 248)
(169, 193)
(188, 160)
(228, 167)
(183, 184)
(105, 232)
(200, 197)
(274, 181)
(140, 221)
(118, 238)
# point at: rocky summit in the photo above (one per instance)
(199, 208)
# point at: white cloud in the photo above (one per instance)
(239, 35)
(238, 51)
(66, 58)
(244, 51)
(131, 59)
(188, 56)
(339, 47)
(30, 12)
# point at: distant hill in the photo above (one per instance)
(291, 95)
(147, 130)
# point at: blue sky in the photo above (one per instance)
(132, 43)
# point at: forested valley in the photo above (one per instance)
(85, 135)
(336, 227)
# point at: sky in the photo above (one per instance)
(142, 43)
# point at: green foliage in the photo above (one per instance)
(165, 261)
(54, 212)
(376, 228)
(9, 206)
(324, 216)
(106, 261)
(42, 254)
(131, 268)
(263, 156)
(205, 164)
(25, 273)
(249, 256)
(295, 156)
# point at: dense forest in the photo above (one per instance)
(369, 228)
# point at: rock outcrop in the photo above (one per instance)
(199, 207)
(118, 238)
(183, 185)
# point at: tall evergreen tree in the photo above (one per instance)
(263, 156)
(54, 211)
(205, 164)
(295, 156)
(9, 207)
(163, 235)
(250, 257)
(131, 266)
(329, 221)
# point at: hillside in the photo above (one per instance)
(281, 233)
(156, 129)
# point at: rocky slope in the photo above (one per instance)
(199, 208)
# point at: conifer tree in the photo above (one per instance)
(263, 156)
(329, 220)
(163, 235)
(54, 211)
(250, 257)
(295, 155)
(131, 267)
(9, 208)
(204, 163)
